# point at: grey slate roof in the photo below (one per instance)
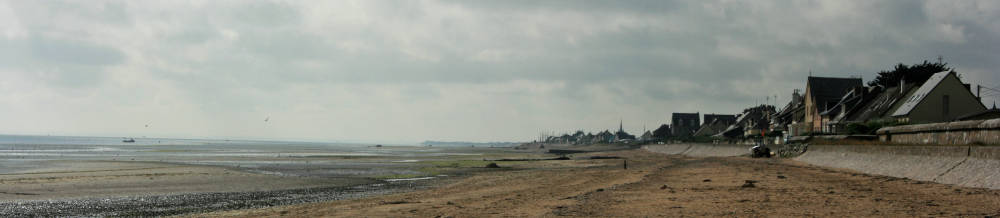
(724, 118)
(881, 105)
(827, 91)
(919, 95)
(685, 115)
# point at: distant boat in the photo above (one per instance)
(378, 146)
(128, 140)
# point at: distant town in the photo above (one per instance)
(929, 93)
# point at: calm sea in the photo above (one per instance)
(19, 153)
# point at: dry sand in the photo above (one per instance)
(661, 185)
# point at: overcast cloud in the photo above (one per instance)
(408, 71)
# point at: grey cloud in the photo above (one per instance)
(642, 6)
(65, 63)
(551, 65)
(73, 52)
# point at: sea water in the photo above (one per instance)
(22, 153)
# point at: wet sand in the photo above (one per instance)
(658, 185)
(212, 183)
(97, 179)
(117, 188)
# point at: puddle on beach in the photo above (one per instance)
(410, 179)
(405, 161)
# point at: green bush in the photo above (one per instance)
(858, 129)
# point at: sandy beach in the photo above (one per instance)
(660, 185)
(619, 181)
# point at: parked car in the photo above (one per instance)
(760, 151)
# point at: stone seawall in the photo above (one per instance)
(701, 150)
(949, 133)
(971, 166)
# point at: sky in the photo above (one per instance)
(463, 70)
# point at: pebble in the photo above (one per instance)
(167, 205)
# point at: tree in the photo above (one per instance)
(918, 73)
(662, 132)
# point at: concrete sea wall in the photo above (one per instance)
(949, 133)
(701, 150)
(971, 166)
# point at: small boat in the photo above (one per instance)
(128, 140)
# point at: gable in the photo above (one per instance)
(825, 92)
(926, 102)
(921, 94)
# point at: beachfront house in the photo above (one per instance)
(647, 136)
(757, 120)
(603, 137)
(711, 128)
(714, 124)
(877, 105)
(684, 124)
(750, 123)
(835, 118)
(788, 120)
(941, 98)
(822, 94)
(727, 119)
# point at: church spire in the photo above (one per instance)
(620, 129)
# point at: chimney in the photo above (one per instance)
(902, 84)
